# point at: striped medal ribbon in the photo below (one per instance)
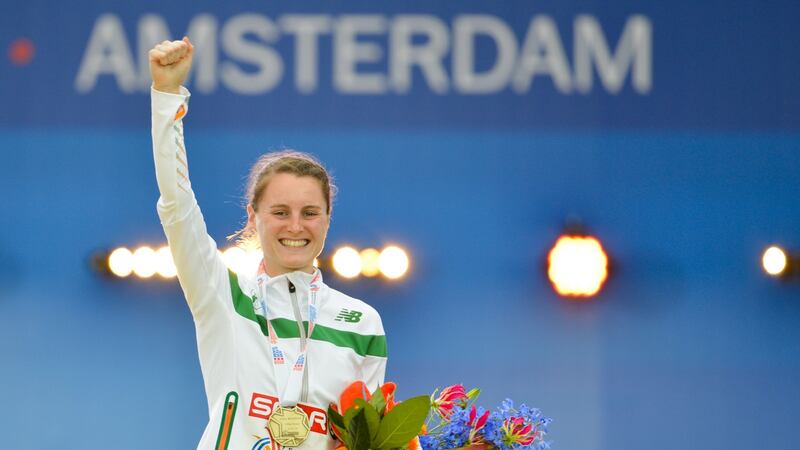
(293, 389)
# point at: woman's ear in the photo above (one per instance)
(251, 217)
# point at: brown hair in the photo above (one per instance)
(285, 161)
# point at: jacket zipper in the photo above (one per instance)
(299, 319)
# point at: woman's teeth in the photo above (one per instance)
(294, 243)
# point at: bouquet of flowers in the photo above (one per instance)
(457, 422)
(449, 420)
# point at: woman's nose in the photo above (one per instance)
(294, 225)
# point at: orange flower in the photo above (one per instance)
(358, 389)
(388, 395)
(347, 399)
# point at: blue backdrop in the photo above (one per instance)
(670, 129)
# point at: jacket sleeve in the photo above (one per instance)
(201, 271)
(373, 369)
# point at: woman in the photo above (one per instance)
(278, 345)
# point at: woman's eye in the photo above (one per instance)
(279, 213)
(311, 213)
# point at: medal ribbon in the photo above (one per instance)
(293, 390)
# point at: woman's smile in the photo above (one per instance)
(291, 220)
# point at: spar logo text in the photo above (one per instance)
(262, 405)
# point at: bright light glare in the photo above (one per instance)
(120, 262)
(254, 257)
(369, 262)
(144, 262)
(347, 262)
(393, 262)
(235, 258)
(577, 266)
(774, 261)
(165, 266)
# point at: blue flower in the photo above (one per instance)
(455, 431)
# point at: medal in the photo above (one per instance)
(288, 426)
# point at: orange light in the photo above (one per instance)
(369, 262)
(577, 266)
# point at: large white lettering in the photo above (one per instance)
(427, 56)
(542, 53)
(107, 53)
(348, 52)
(634, 51)
(374, 54)
(465, 78)
(268, 63)
(306, 29)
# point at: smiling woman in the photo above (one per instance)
(273, 349)
(288, 210)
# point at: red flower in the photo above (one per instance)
(448, 399)
(477, 424)
(518, 432)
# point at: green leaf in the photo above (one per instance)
(378, 402)
(336, 420)
(335, 417)
(373, 419)
(349, 414)
(358, 429)
(402, 423)
(474, 392)
(347, 419)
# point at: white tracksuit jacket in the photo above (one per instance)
(347, 344)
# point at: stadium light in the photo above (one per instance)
(347, 262)
(369, 262)
(144, 262)
(774, 261)
(577, 266)
(393, 262)
(235, 258)
(120, 262)
(147, 261)
(781, 263)
(164, 264)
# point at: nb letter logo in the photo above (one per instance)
(349, 316)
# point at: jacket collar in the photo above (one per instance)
(301, 280)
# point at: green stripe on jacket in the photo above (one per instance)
(362, 344)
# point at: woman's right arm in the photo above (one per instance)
(201, 271)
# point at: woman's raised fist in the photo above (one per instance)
(169, 64)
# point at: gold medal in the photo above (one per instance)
(288, 426)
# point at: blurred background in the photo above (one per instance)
(472, 134)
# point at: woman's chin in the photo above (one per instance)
(303, 266)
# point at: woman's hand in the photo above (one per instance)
(169, 64)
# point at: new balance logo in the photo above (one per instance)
(349, 316)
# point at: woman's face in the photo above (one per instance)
(292, 223)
